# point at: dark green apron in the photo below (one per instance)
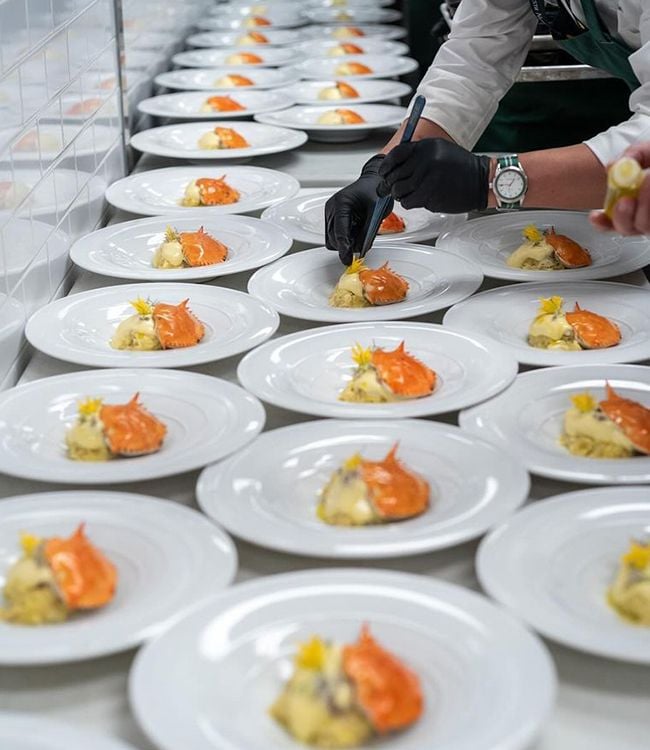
(550, 114)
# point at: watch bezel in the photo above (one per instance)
(521, 173)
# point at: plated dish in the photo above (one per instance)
(227, 79)
(151, 325)
(588, 423)
(396, 281)
(355, 46)
(268, 37)
(225, 21)
(288, 489)
(337, 124)
(357, 67)
(217, 140)
(347, 92)
(434, 629)
(177, 249)
(201, 192)
(309, 371)
(47, 142)
(539, 323)
(225, 56)
(352, 15)
(575, 568)
(196, 105)
(110, 587)
(491, 241)
(114, 426)
(303, 218)
(342, 31)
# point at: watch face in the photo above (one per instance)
(510, 184)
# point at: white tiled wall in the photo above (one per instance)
(61, 144)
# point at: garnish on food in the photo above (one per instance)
(222, 138)
(629, 594)
(210, 191)
(548, 251)
(158, 326)
(360, 286)
(552, 328)
(188, 250)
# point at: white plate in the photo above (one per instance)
(206, 419)
(238, 22)
(552, 563)
(207, 683)
(322, 48)
(186, 105)
(25, 731)
(300, 284)
(78, 328)
(168, 557)
(268, 492)
(527, 418)
(247, 8)
(204, 79)
(125, 250)
(276, 37)
(95, 141)
(216, 58)
(347, 4)
(372, 90)
(180, 141)
(381, 67)
(505, 314)
(490, 240)
(158, 192)
(306, 371)
(305, 118)
(373, 31)
(303, 218)
(353, 16)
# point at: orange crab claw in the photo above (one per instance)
(231, 138)
(593, 331)
(259, 21)
(394, 491)
(258, 38)
(630, 416)
(351, 49)
(349, 117)
(224, 104)
(216, 192)
(403, 374)
(239, 80)
(357, 69)
(130, 430)
(567, 251)
(201, 249)
(84, 577)
(175, 325)
(382, 286)
(388, 691)
(249, 58)
(392, 224)
(347, 91)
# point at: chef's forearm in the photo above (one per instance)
(424, 129)
(570, 177)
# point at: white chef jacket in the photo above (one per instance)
(486, 48)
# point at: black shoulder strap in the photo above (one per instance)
(556, 18)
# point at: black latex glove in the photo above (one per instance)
(348, 212)
(435, 174)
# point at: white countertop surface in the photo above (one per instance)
(602, 705)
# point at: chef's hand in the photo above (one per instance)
(348, 212)
(436, 174)
(631, 216)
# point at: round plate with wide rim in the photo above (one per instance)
(27, 731)
(526, 419)
(209, 680)
(338, 32)
(380, 67)
(276, 38)
(300, 284)
(505, 314)
(305, 118)
(268, 492)
(54, 138)
(303, 218)
(168, 557)
(158, 192)
(206, 419)
(186, 105)
(271, 57)
(180, 141)
(324, 47)
(490, 240)
(125, 250)
(306, 371)
(372, 90)
(239, 22)
(552, 563)
(78, 328)
(206, 79)
(351, 16)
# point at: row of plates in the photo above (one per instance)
(290, 18)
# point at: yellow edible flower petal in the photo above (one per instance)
(311, 655)
(532, 233)
(361, 355)
(142, 306)
(353, 462)
(356, 266)
(171, 235)
(90, 406)
(29, 543)
(584, 402)
(550, 305)
(638, 556)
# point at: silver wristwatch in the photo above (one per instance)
(510, 182)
